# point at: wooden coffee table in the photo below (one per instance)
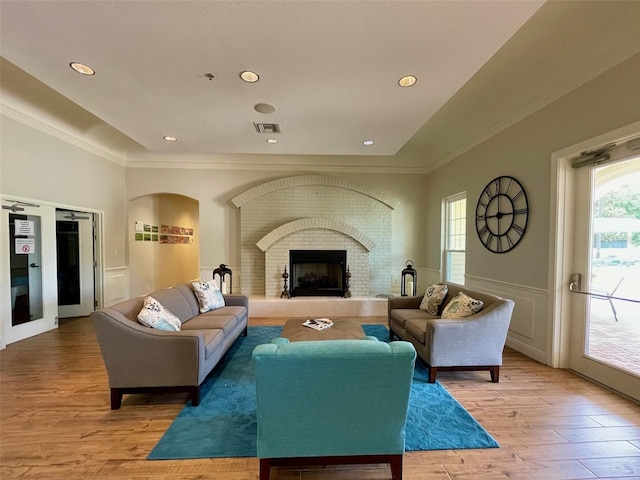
(342, 329)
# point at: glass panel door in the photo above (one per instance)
(25, 266)
(605, 330)
(28, 269)
(613, 336)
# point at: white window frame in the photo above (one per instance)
(450, 273)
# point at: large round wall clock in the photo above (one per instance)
(501, 214)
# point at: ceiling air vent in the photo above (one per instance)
(267, 127)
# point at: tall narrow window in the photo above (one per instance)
(455, 234)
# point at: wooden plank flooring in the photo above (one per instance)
(55, 423)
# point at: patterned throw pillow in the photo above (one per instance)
(208, 294)
(433, 298)
(154, 315)
(462, 306)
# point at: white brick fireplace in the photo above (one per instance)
(314, 212)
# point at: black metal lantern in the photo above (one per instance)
(222, 271)
(409, 284)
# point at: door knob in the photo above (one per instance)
(34, 265)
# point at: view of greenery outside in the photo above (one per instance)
(620, 203)
(614, 329)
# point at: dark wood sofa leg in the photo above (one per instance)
(245, 331)
(195, 396)
(433, 372)
(116, 398)
(265, 468)
(396, 467)
(495, 374)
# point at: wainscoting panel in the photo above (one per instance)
(530, 320)
(116, 285)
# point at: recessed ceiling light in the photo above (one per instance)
(368, 142)
(407, 81)
(82, 68)
(249, 77)
(272, 140)
(169, 138)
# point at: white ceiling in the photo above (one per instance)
(330, 68)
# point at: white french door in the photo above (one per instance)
(28, 269)
(605, 272)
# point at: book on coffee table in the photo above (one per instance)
(318, 323)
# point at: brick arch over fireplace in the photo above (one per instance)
(314, 222)
(306, 180)
(322, 212)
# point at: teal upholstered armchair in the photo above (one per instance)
(332, 402)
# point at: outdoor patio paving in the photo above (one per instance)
(617, 343)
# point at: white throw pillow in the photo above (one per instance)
(462, 306)
(208, 294)
(154, 315)
(433, 298)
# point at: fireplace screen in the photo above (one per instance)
(317, 272)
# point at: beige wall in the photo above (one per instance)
(524, 152)
(178, 263)
(38, 166)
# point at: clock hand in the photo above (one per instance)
(499, 215)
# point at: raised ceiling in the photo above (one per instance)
(330, 69)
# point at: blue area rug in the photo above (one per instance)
(224, 424)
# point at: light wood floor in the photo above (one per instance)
(56, 423)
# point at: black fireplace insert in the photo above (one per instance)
(318, 272)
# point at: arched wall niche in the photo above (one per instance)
(174, 256)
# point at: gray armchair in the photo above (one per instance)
(472, 343)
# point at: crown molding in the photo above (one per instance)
(66, 137)
(596, 69)
(122, 160)
(316, 168)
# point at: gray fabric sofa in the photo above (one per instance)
(472, 343)
(141, 359)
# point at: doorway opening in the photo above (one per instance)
(76, 263)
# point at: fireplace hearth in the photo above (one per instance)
(318, 272)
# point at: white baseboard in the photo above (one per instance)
(527, 350)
